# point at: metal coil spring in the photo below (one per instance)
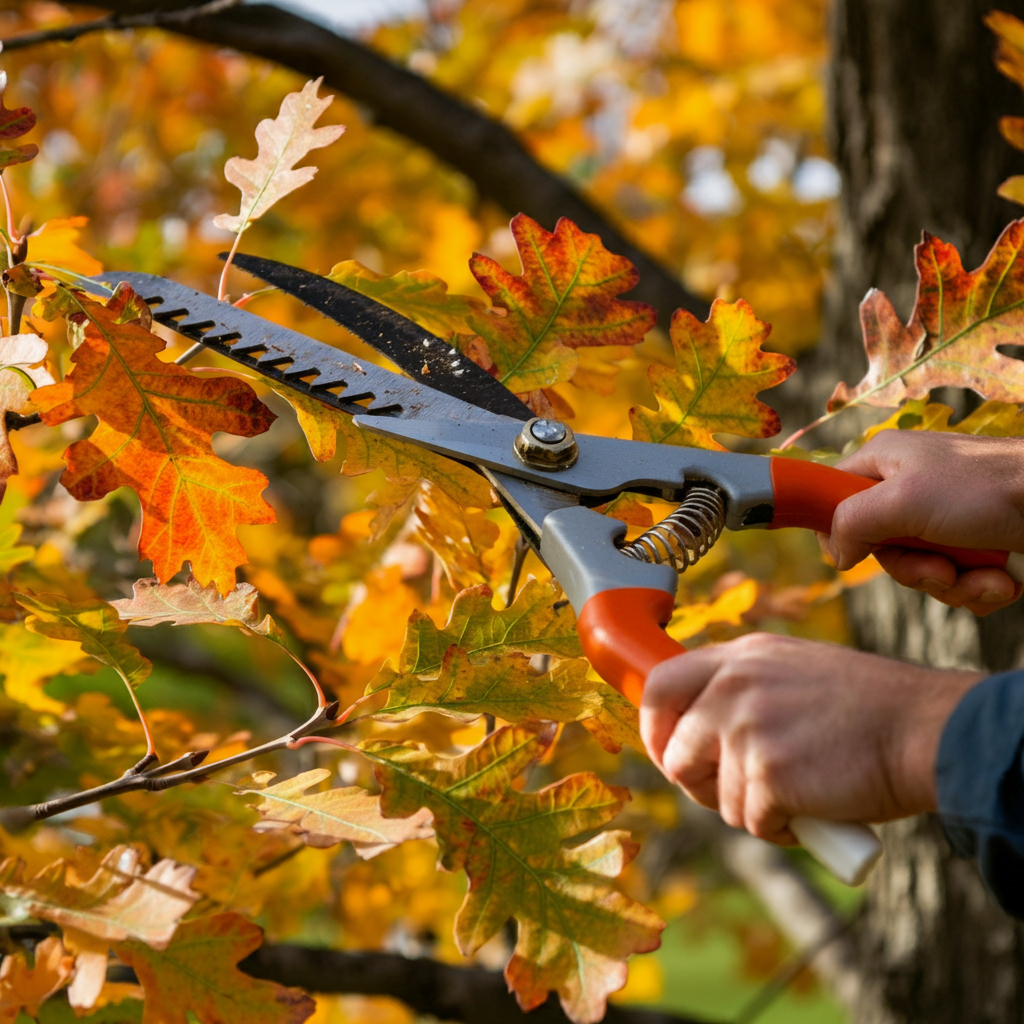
(686, 535)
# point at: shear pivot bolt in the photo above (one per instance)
(546, 444)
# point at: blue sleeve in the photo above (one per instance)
(980, 778)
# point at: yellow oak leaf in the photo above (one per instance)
(375, 623)
(990, 419)
(332, 816)
(55, 245)
(532, 624)
(728, 607)
(27, 988)
(21, 372)
(197, 975)
(565, 298)
(506, 688)
(575, 929)
(92, 623)
(29, 659)
(719, 371)
(118, 902)
(155, 432)
(461, 537)
(11, 552)
(419, 295)
(405, 466)
(283, 142)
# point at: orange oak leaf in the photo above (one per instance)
(21, 372)
(719, 371)
(118, 902)
(959, 320)
(13, 124)
(156, 423)
(197, 974)
(332, 816)
(565, 298)
(24, 987)
(283, 142)
(575, 929)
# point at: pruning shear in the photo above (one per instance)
(548, 479)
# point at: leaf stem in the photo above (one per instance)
(222, 287)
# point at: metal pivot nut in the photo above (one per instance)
(546, 444)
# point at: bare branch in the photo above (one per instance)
(482, 148)
(471, 995)
(161, 777)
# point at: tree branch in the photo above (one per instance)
(471, 995)
(160, 777)
(483, 149)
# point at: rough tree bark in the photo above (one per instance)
(915, 101)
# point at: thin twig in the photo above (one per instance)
(157, 779)
(114, 22)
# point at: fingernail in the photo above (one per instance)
(929, 583)
(992, 597)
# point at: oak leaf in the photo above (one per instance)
(532, 624)
(197, 975)
(719, 371)
(11, 552)
(28, 659)
(506, 688)
(565, 298)
(188, 604)
(54, 246)
(21, 372)
(117, 902)
(332, 816)
(958, 322)
(462, 538)
(92, 623)
(283, 142)
(990, 419)
(13, 124)
(728, 608)
(418, 294)
(575, 929)
(405, 466)
(156, 423)
(26, 988)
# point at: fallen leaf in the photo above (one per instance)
(575, 929)
(197, 975)
(21, 372)
(283, 142)
(565, 298)
(92, 623)
(952, 339)
(117, 902)
(156, 423)
(27, 988)
(719, 371)
(333, 816)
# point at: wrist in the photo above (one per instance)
(936, 693)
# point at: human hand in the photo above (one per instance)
(953, 489)
(765, 728)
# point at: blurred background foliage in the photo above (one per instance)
(697, 127)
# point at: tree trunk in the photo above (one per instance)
(915, 102)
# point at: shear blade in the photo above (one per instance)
(424, 356)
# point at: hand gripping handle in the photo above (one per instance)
(806, 496)
(622, 607)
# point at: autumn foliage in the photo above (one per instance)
(452, 703)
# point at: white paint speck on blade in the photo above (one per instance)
(354, 15)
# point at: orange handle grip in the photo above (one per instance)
(621, 633)
(806, 496)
